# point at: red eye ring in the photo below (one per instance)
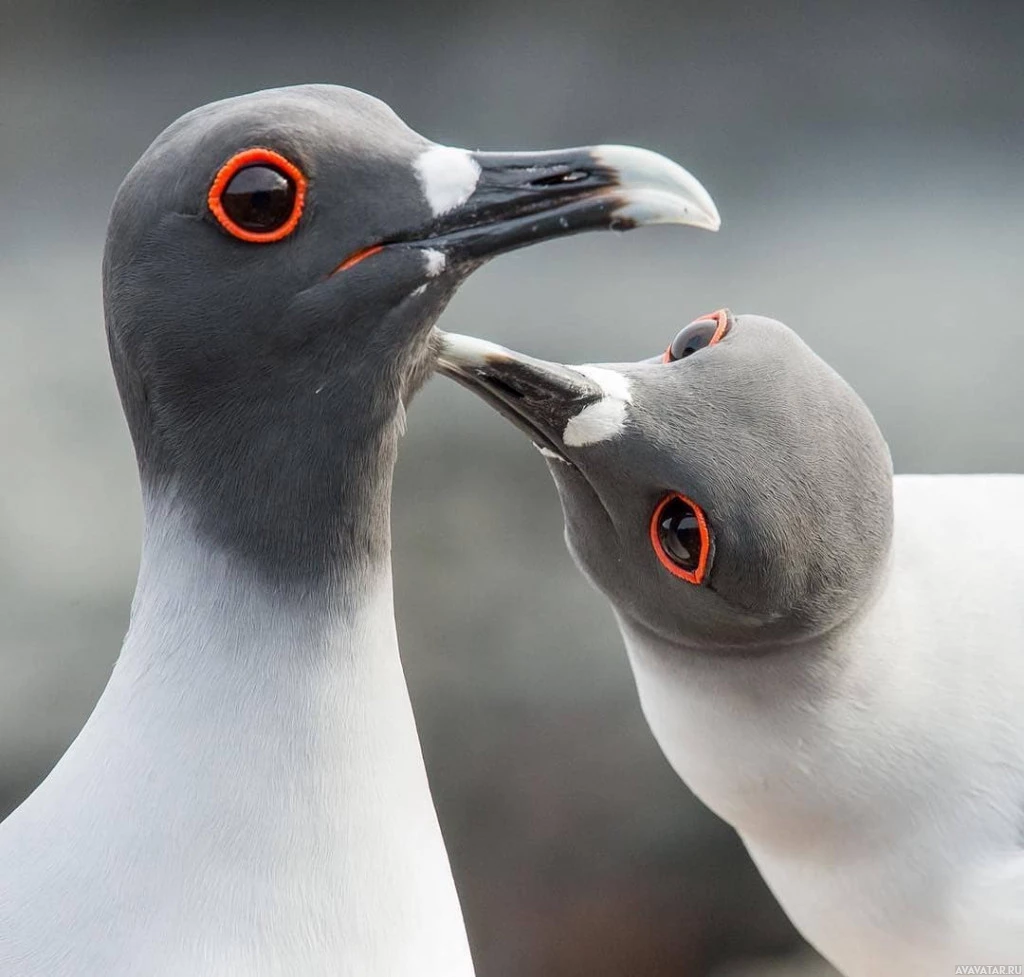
(695, 576)
(720, 316)
(252, 157)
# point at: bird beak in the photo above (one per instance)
(539, 397)
(488, 203)
(523, 198)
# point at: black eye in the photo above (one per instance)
(705, 331)
(680, 537)
(259, 198)
(679, 533)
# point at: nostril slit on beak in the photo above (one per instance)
(560, 179)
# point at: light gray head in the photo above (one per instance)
(734, 491)
(273, 268)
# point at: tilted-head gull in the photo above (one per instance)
(831, 658)
(248, 797)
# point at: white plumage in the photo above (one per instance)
(878, 780)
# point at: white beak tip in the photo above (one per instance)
(655, 190)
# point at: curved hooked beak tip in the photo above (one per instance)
(654, 190)
(538, 396)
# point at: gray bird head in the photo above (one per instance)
(733, 492)
(273, 267)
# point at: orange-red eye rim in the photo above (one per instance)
(721, 316)
(697, 575)
(253, 157)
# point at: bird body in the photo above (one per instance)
(830, 657)
(879, 789)
(248, 798)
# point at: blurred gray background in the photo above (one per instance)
(868, 166)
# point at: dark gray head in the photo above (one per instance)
(273, 268)
(734, 491)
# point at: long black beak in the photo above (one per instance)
(523, 198)
(539, 397)
(488, 203)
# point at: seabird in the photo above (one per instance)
(249, 797)
(830, 657)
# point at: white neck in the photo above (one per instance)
(248, 797)
(874, 774)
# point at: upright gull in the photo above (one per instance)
(832, 659)
(248, 798)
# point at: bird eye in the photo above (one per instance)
(258, 196)
(681, 538)
(705, 331)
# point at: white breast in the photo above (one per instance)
(247, 800)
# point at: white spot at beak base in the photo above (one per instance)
(448, 177)
(596, 422)
(548, 453)
(604, 419)
(436, 261)
(613, 384)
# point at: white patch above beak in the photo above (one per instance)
(448, 177)
(607, 417)
(613, 384)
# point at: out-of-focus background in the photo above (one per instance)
(869, 167)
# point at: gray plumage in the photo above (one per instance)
(798, 544)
